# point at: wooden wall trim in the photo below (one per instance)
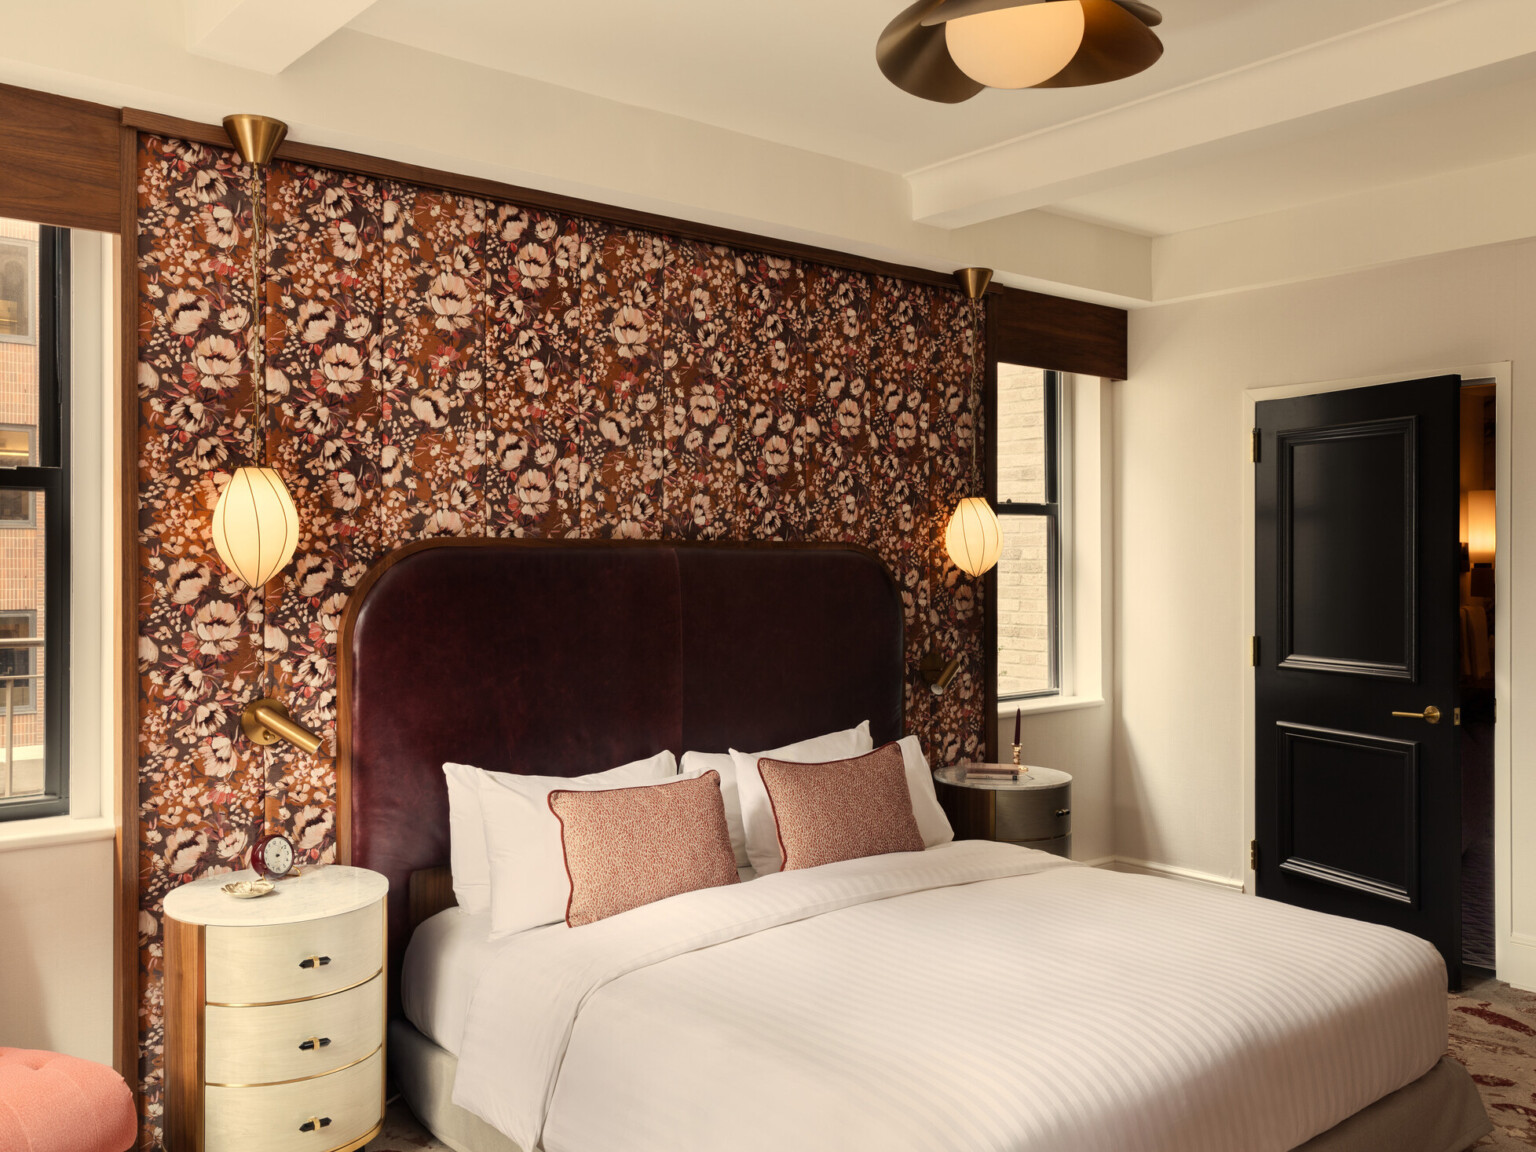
(60, 162)
(126, 983)
(1042, 331)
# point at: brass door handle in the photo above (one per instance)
(1430, 715)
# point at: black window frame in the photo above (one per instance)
(50, 476)
(1050, 509)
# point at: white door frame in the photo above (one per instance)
(1515, 954)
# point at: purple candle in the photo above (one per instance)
(1018, 719)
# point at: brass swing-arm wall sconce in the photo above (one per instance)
(255, 523)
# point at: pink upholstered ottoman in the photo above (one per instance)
(53, 1103)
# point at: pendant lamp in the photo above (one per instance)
(974, 538)
(255, 523)
(949, 50)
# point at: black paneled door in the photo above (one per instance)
(1359, 786)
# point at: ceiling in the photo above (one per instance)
(802, 73)
(1276, 140)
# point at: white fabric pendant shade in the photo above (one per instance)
(255, 525)
(974, 538)
(1017, 47)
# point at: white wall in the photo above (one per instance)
(1182, 581)
(1074, 732)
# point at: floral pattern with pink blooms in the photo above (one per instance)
(444, 365)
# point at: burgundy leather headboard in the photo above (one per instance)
(560, 658)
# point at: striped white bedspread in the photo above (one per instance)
(973, 997)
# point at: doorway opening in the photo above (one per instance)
(1479, 482)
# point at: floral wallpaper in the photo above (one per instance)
(441, 365)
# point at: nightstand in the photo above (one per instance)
(274, 1014)
(1035, 810)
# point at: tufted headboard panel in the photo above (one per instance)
(560, 658)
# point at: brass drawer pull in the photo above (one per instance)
(315, 1122)
(314, 1042)
(1060, 812)
(314, 962)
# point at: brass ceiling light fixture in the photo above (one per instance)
(949, 50)
(255, 522)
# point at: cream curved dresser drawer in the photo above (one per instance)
(274, 1014)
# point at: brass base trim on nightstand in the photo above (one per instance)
(354, 1145)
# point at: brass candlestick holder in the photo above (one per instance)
(1016, 761)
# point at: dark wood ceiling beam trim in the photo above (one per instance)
(59, 160)
(1043, 331)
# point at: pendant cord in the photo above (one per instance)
(258, 403)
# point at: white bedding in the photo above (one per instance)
(442, 965)
(975, 996)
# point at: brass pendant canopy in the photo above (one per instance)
(257, 137)
(974, 281)
(1118, 41)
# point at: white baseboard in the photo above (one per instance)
(1149, 868)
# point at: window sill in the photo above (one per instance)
(1006, 709)
(51, 831)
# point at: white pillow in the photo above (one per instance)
(766, 856)
(760, 833)
(466, 829)
(932, 824)
(529, 883)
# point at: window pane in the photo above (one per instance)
(23, 579)
(18, 281)
(1021, 459)
(1024, 664)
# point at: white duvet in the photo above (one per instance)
(972, 997)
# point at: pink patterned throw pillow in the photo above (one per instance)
(843, 809)
(625, 847)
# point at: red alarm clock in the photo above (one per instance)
(272, 856)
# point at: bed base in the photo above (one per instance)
(1439, 1112)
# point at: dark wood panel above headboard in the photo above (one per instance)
(560, 658)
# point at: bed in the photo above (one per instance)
(971, 996)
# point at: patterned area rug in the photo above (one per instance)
(1493, 1032)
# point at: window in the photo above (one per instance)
(1029, 510)
(34, 502)
(17, 509)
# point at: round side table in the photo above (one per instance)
(1035, 810)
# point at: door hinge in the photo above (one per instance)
(1253, 650)
(1257, 440)
(1253, 855)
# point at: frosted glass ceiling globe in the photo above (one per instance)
(1017, 47)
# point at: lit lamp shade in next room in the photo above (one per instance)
(1481, 531)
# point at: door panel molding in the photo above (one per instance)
(1293, 738)
(1406, 429)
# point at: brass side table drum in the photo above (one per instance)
(274, 1014)
(1035, 810)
